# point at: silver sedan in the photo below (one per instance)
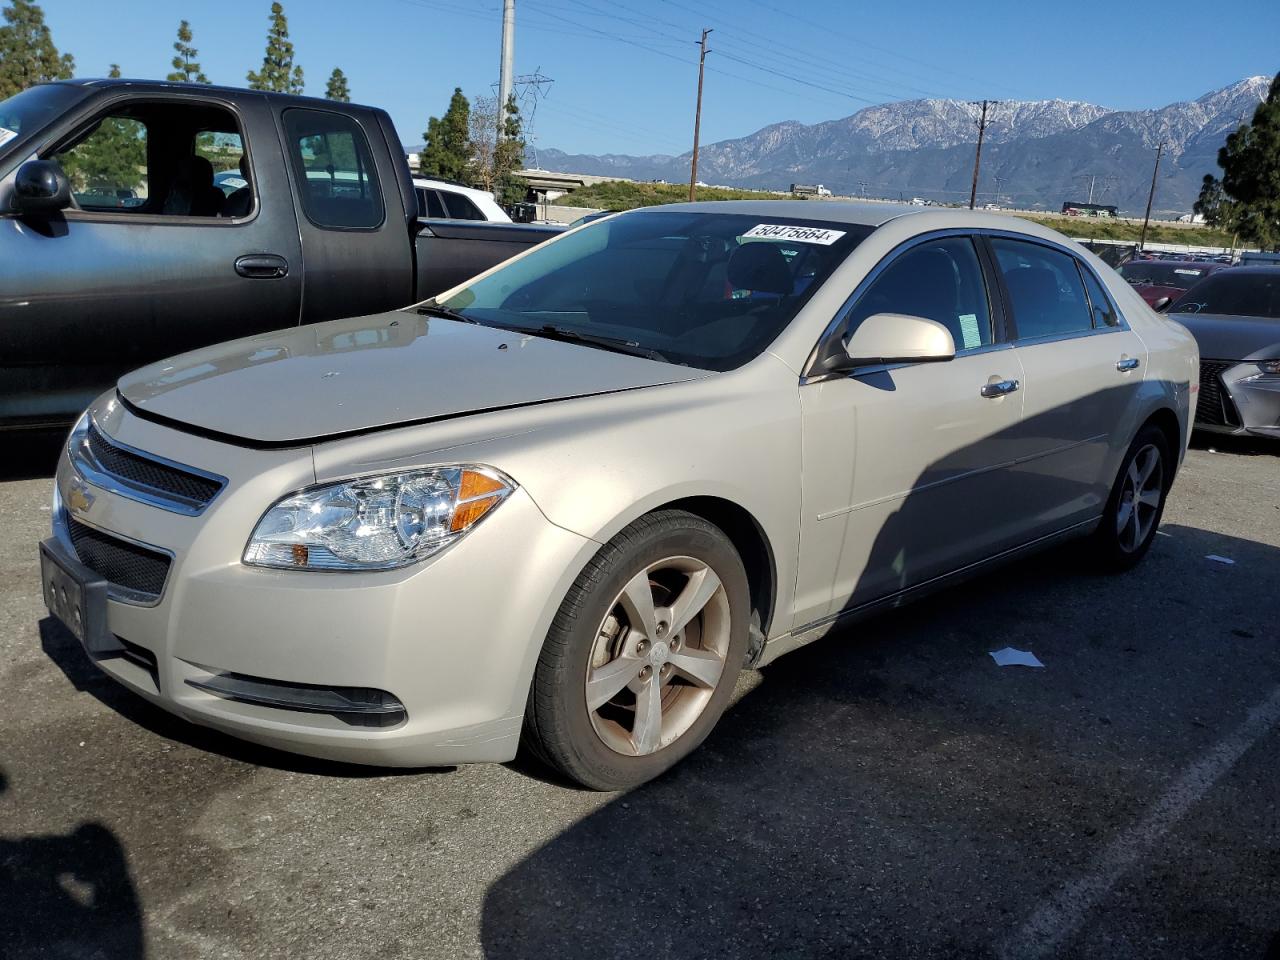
(567, 502)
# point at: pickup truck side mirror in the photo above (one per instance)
(40, 186)
(894, 338)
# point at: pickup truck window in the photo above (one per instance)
(159, 158)
(336, 178)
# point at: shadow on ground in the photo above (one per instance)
(890, 792)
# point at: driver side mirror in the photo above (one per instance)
(893, 338)
(1161, 305)
(40, 186)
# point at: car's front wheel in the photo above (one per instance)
(1137, 500)
(643, 654)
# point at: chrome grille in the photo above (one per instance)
(141, 476)
(137, 573)
(1215, 407)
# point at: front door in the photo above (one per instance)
(905, 467)
(149, 262)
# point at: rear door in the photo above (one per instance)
(355, 234)
(905, 467)
(144, 265)
(1082, 365)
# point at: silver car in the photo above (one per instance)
(567, 502)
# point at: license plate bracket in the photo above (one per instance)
(77, 597)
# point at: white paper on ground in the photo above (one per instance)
(1217, 559)
(1009, 657)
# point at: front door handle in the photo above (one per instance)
(1125, 364)
(262, 266)
(999, 388)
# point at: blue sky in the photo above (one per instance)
(625, 71)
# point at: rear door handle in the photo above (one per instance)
(1000, 388)
(262, 266)
(1125, 364)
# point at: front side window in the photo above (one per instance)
(334, 167)
(108, 166)
(1046, 295)
(940, 280)
(709, 290)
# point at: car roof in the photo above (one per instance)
(447, 185)
(832, 211)
(205, 88)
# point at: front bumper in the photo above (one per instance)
(1236, 399)
(453, 639)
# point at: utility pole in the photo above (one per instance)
(977, 157)
(1142, 241)
(508, 56)
(697, 116)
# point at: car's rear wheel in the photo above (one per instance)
(1137, 501)
(641, 659)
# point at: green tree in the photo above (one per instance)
(337, 89)
(185, 67)
(27, 53)
(114, 72)
(508, 156)
(278, 73)
(1246, 200)
(447, 154)
(112, 158)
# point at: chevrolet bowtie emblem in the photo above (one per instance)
(79, 499)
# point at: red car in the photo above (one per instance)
(1157, 280)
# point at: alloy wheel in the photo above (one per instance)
(658, 656)
(1140, 497)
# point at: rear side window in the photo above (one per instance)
(1104, 311)
(459, 207)
(336, 178)
(1046, 294)
(940, 280)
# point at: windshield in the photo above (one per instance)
(1241, 293)
(26, 112)
(1165, 273)
(708, 290)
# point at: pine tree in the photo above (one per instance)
(508, 157)
(185, 68)
(114, 72)
(278, 74)
(337, 87)
(1246, 199)
(447, 153)
(27, 53)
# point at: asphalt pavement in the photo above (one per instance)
(886, 792)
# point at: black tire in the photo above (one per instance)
(1111, 549)
(558, 726)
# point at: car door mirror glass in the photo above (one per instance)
(40, 186)
(895, 338)
(1161, 305)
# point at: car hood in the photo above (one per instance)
(352, 376)
(1225, 337)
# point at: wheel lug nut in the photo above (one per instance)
(642, 647)
(645, 672)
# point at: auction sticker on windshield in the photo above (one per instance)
(783, 231)
(6, 135)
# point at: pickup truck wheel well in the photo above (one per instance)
(753, 547)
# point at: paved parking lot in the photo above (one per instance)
(888, 792)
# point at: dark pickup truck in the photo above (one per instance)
(141, 219)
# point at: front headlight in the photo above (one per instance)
(376, 523)
(1269, 366)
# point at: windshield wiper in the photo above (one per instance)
(616, 344)
(430, 309)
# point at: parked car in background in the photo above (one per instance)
(1235, 317)
(568, 500)
(1159, 282)
(441, 200)
(131, 248)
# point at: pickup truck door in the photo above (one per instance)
(146, 264)
(355, 231)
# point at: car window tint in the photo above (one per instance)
(1104, 311)
(1046, 295)
(459, 207)
(430, 205)
(334, 167)
(1241, 293)
(940, 280)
